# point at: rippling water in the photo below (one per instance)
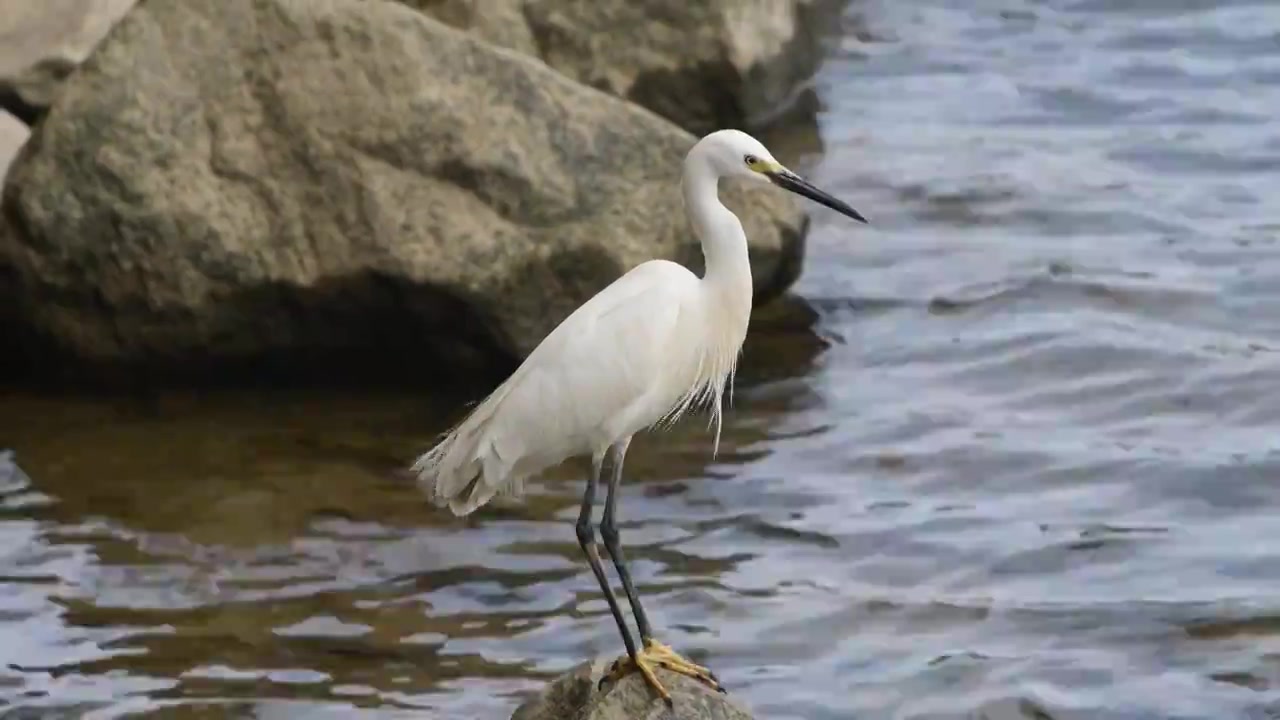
(1012, 452)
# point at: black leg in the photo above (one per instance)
(587, 540)
(609, 531)
(655, 654)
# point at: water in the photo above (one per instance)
(1011, 453)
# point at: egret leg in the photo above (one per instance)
(587, 541)
(609, 531)
(653, 653)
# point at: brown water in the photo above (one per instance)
(1011, 452)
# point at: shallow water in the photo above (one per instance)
(1012, 452)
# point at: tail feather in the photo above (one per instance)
(464, 470)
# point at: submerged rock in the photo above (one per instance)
(703, 64)
(574, 696)
(286, 182)
(11, 476)
(42, 41)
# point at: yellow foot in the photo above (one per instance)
(656, 655)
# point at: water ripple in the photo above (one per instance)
(1008, 452)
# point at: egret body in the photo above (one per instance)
(656, 342)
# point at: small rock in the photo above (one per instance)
(11, 476)
(42, 41)
(574, 696)
(13, 135)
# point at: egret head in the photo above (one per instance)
(734, 153)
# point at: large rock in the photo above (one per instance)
(575, 696)
(42, 41)
(704, 64)
(501, 22)
(296, 180)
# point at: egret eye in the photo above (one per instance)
(752, 160)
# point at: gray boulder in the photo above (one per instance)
(500, 22)
(283, 182)
(42, 41)
(703, 64)
(575, 696)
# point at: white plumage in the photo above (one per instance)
(655, 343)
(650, 346)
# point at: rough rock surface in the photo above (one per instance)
(255, 182)
(573, 696)
(42, 41)
(703, 64)
(501, 22)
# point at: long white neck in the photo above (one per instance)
(726, 286)
(724, 244)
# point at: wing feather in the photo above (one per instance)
(597, 365)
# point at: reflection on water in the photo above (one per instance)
(262, 548)
(1011, 452)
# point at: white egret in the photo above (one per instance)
(654, 343)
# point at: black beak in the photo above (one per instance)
(788, 180)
